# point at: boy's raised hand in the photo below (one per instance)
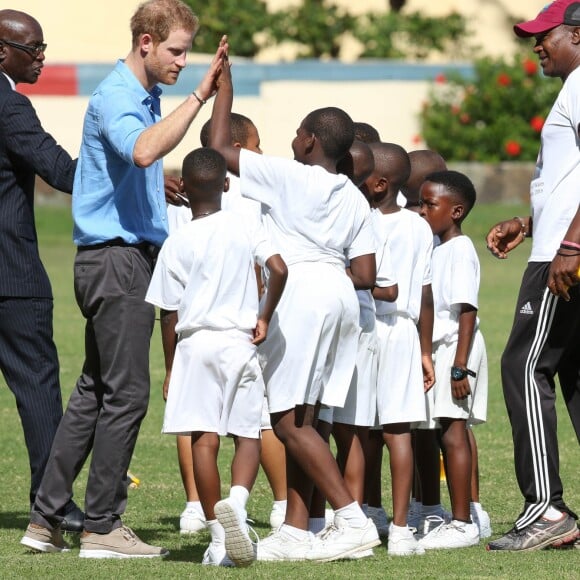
(208, 86)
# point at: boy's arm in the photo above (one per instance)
(220, 132)
(277, 280)
(425, 328)
(467, 317)
(169, 340)
(363, 271)
(386, 293)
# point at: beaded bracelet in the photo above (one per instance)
(568, 255)
(522, 224)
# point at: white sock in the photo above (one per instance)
(240, 495)
(353, 515)
(281, 503)
(400, 529)
(552, 513)
(316, 525)
(218, 534)
(295, 533)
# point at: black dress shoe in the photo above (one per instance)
(74, 519)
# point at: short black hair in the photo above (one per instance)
(423, 162)
(366, 133)
(239, 124)
(333, 128)
(204, 171)
(458, 185)
(358, 163)
(391, 161)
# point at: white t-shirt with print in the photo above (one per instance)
(555, 189)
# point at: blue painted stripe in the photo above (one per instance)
(249, 76)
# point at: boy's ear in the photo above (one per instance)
(226, 184)
(381, 184)
(181, 185)
(457, 211)
(309, 142)
(237, 145)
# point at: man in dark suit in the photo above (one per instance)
(28, 357)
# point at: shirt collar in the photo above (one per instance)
(133, 82)
(12, 83)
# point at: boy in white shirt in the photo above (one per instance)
(317, 217)
(205, 285)
(405, 367)
(460, 391)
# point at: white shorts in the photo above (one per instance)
(265, 422)
(310, 351)
(216, 385)
(360, 407)
(400, 394)
(440, 402)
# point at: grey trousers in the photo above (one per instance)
(110, 398)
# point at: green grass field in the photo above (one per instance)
(154, 507)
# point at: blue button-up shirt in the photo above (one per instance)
(112, 197)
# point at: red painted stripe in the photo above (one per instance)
(54, 80)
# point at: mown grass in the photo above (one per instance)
(154, 507)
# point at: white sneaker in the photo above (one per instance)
(191, 521)
(277, 516)
(428, 523)
(481, 519)
(280, 546)
(402, 542)
(380, 519)
(341, 541)
(239, 547)
(216, 555)
(455, 534)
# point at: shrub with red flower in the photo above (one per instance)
(530, 66)
(513, 148)
(440, 78)
(495, 114)
(537, 123)
(504, 80)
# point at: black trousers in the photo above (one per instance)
(29, 364)
(110, 398)
(544, 342)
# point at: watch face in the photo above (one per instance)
(458, 374)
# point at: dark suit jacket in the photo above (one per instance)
(26, 150)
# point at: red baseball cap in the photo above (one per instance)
(554, 14)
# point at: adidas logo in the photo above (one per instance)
(526, 309)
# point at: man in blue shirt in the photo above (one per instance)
(119, 224)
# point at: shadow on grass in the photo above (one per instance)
(14, 520)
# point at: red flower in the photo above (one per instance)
(513, 148)
(441, 79)
(455, 109)
(504, 80)
(530, 66)
(416, 139)
(536, 123)
(464, 118)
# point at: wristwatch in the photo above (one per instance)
(458, 374)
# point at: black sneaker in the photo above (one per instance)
(540, 534)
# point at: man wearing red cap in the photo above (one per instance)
(546, 330)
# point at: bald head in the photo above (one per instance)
(20, 40)
(423, 162)
(391, 162)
